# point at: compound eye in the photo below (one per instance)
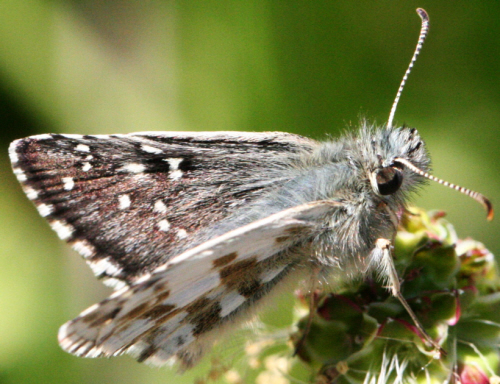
(389, 180)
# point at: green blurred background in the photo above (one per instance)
(309, 67)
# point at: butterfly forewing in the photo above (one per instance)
(128, 203)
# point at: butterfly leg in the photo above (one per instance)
(382, 254)
(312, 309)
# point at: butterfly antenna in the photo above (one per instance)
(424, 29)
(475, 195)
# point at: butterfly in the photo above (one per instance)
(195, 230)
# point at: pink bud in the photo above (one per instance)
(471, 374)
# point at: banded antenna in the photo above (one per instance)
(475, 195)
(424, 29)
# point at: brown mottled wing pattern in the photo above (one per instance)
(170, 311)
(128, 203)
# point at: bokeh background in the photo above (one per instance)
(314, 68)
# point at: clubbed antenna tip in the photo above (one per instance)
(423, 15)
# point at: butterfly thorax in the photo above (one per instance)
(339, 171)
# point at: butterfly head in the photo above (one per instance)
(398, 163)
(387, 175)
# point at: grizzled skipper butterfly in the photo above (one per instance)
(193, 229)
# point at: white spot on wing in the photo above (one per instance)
(230, 302)
(82, 148)
(72, 136)
(133, 168)
(20, 175)
(63, 230)
(86, 167)
(160, 207)
(13, 153)
(104, 266)
(164, 225)
(124, 201)
(181, 233)
(175, 173)
(114, 283)
(31, 193)
(45, 209)
(69, 183)
(84, 248)
(174, 162)
(150, 149)
(94, 352)
(81, 349)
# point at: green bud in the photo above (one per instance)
(452, 286)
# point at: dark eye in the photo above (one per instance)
(388, 180)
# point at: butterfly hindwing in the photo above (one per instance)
(128, 203)
(169, 312)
